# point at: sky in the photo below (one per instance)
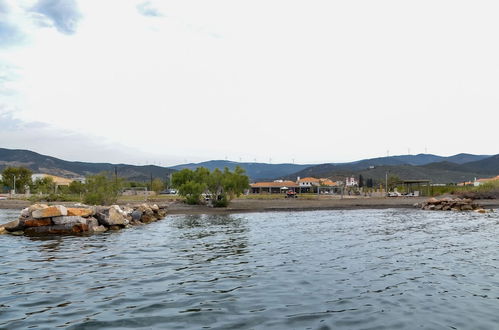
(172, 81)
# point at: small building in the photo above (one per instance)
(479, 182)
(138, 191)
(58, 181)
(274, 187)
(351, 182)
(305, 185)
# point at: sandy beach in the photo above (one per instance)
(243, 205)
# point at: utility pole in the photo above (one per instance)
(14, 184)
(386, 183)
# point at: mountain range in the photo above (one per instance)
(50, 165)
(438, 169)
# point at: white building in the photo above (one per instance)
(350, 182)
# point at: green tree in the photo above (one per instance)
(21, 176)
(361, 181)
(44, 185)
(102, 189)
(223, 186)
(157, 185)
(189, 184)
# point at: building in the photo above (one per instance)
(274, 187)
(351, 182)
(138, 191)
(58, 181)
(305, 185)
(479, 182)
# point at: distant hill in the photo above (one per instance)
(438, 172)
(256, 171)
(457, 168)
(39, 163)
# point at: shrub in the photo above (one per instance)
(101, 189)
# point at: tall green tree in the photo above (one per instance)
(20, 175)
(361, 181)
(223, 186)
(190, 184)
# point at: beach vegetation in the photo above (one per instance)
(18, 176)
(102, 189)
(157, 185)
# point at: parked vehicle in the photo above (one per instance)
(168, 192)
(291, 194)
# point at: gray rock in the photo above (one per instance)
(25, 213)
(64, 220)
(116, 217)
(136, 215)
(113, 218)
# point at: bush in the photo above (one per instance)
(101, 189)
(220, 202)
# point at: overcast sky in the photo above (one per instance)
(170, 81)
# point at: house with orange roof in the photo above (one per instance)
(305, 185)
(479, 182)
(58, 181)
(274, 187)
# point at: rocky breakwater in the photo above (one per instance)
(41, 219)
(451, 204)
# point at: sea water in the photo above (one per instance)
(357, 269)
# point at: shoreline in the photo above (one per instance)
(279, 205)
(252, 206)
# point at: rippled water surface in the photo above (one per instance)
(363, 269)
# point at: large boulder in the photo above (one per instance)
(117, 216)
(51, 211)
(57, 229)
(13, 226)
(113, 216)
(80, 212)
(94, 227)
(69, 220)
(136, 215)
(25, 213)
(36, 207)
(37, 222)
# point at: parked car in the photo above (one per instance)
(394, 194)
(168, 192)
(291, 194)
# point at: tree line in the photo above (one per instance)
(198, 186)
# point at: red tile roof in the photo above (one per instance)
(289, 184)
